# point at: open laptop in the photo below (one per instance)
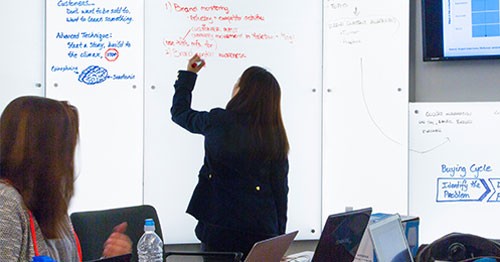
(272, 249)
(389, 240)
(341, 236)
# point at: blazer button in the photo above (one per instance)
(257, 188)
(209, 176)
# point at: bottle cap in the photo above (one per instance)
(149, 222)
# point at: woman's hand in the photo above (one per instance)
(195, 64)
(118, 243)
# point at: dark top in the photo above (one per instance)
(235, 195)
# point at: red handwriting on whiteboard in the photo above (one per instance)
(218, 31)
(111, 54)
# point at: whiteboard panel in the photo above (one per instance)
(21, 49)
(454, 168)
(94, 60)
(365, 104)
(282, 36)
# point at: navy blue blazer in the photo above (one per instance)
(233, 192)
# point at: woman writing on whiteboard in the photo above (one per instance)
(241, 195)
(38, 137)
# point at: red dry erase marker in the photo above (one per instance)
(196, 64)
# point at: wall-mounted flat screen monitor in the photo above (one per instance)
(460, 29)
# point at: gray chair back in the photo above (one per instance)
(94, 227)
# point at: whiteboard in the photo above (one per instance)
(94, 60)
(282, 36)
(365, 102)
(22, 51)
(344, 99)
(454, 168)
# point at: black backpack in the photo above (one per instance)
(459, 247)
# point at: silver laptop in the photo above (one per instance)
(389, 240)
(272, 249)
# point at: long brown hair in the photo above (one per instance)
(38, 137)
(259, 97)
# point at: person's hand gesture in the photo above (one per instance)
(118, 242)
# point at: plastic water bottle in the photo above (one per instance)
(150, 246)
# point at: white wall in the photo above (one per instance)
(21, 49)
(365, 106)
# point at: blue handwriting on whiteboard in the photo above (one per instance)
(123, 77)
(72, 19)
(495, 184)
(461, 190)
(475, 169)
(451, 171)
(74, 3)
(478, 169)
(64, 68)
(93, 75)
(100, 36)
(82, 45)
(67, 36)
(109, 19)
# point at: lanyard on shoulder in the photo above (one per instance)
(35, 245)
(33, 234)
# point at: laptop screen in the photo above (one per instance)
(271, 249)
(341, 236)
(389, 240)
